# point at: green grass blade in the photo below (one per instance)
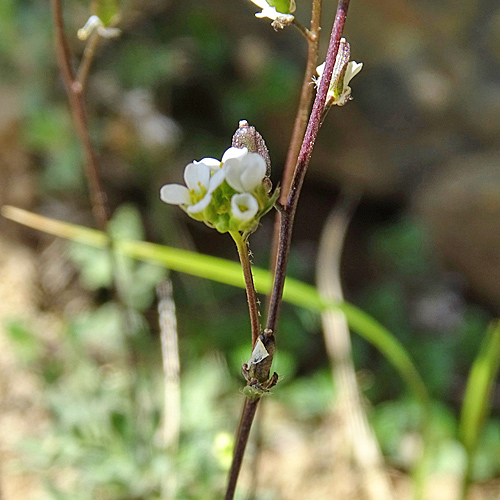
(230, 273)
(477, 398)
(479, 386)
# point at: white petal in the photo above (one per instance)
(92, 23)
(254, 170)
(234, 153)
(175, 194)
(244, 206)
(216, 180)
(211, 163)
(320, 69)
(108, 32)
(233, 169)
(269, 12)
(196, 175)
(201, 205)
(353, 68)
(260, 3)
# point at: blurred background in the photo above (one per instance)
(82, 395)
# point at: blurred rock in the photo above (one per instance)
(461, 205)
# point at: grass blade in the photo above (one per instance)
(230, 273)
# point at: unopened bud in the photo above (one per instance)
(247, 136)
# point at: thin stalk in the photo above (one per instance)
(299, 127)
(242, 246)
(287, 218)
(306, 99)
(98, 199)
(247, 417)
(289, 209)
(309, 36)
(88, 57)
(79, 113)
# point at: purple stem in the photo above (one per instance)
(288, 214)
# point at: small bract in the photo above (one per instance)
(339, 92)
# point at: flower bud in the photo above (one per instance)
(246, 136)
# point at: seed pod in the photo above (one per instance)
(247, 137)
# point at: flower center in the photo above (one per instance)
(197, 194)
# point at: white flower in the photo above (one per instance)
(200, 182)
(281, 18)
(94, 23)
(244, 206)
(244, 171)
(216, 165)
(339, 92)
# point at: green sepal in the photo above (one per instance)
(106, 10)
(282, 6)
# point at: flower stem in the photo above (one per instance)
(247, 417)
(306, 99)
(288, 213)
(88, 57)
(79, 113)
(242, 246)
(299, 128)
(308, 34)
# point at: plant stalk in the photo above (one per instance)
(242, 246)
(88, 57)
(300, 125)
(247, 417)
(288, 213)
(78, 110)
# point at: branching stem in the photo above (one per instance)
(288, 214)
(79, 113)
(299, 127)
(88, 57)
(308, 34)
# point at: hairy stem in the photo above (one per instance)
(299, 127)
(242, 246)
(287, 215)
(288, 212)
(79, 113)
(306, 99)
(247, 417)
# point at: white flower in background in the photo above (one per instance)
(244, 206)
(94, 23)
(344, 71)
(244, 171)
(270, 10)
(200, 182)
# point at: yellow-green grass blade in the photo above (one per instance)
(230, 273)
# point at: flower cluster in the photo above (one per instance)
(339, 92)
(231, 194)
(279, 11)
